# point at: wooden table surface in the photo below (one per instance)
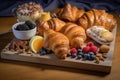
(15, 70)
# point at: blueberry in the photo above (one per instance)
(42, 52)
(80, 53)
(49, 51)
(69, 54)
(74, 55)
(85, 56)
(91, 53)
(92, 57)
(79, 56)
(88, 56)
(79, 50)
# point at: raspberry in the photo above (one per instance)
(73, 51)
(90, 44)
(86, 49)
(93, 49)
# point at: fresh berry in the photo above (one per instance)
(30, 24)
(79, 56)
(73, 50)
(22, 27)
(88, 56)
(69, 54)
(85, 56)
(86, 49)
(90, 44)
(74, 55)
(91, 53)
(79, 50)
(92, 57)
(93, 49)
(42, 52)
(49, 51)
(80, 53)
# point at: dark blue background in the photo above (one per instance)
(111, 6)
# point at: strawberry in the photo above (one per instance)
(86, 49)
(90, 44)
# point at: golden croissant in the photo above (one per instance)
(54, 23)
(87, 19)
(70, 13)
(97, 18)
(57, 42)
(76, 34)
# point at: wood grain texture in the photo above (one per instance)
(15, 70)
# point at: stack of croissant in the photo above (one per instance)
(87, 19)
(69, 29)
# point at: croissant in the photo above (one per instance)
(76, 34)
(54, 23)
(57, 42)
(87, 19)
(97, 18)
(69, 13)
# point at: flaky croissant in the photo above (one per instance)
(54, 23)
(87, 19)
(57, 42)
(70, 13)
(97, 18)
(76, 34)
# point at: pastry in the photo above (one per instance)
(69, 13)
(87, 19)
(100, 35)
(29, 11)
(76, 34)
(57, 42)
(54, 23)
(96, 17)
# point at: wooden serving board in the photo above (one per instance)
(51, 59)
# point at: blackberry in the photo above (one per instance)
(22, 27)
(30, 24)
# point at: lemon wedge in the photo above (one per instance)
(36, 43)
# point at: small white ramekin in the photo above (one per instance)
(23, 35)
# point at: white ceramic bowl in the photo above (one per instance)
(23, 35)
